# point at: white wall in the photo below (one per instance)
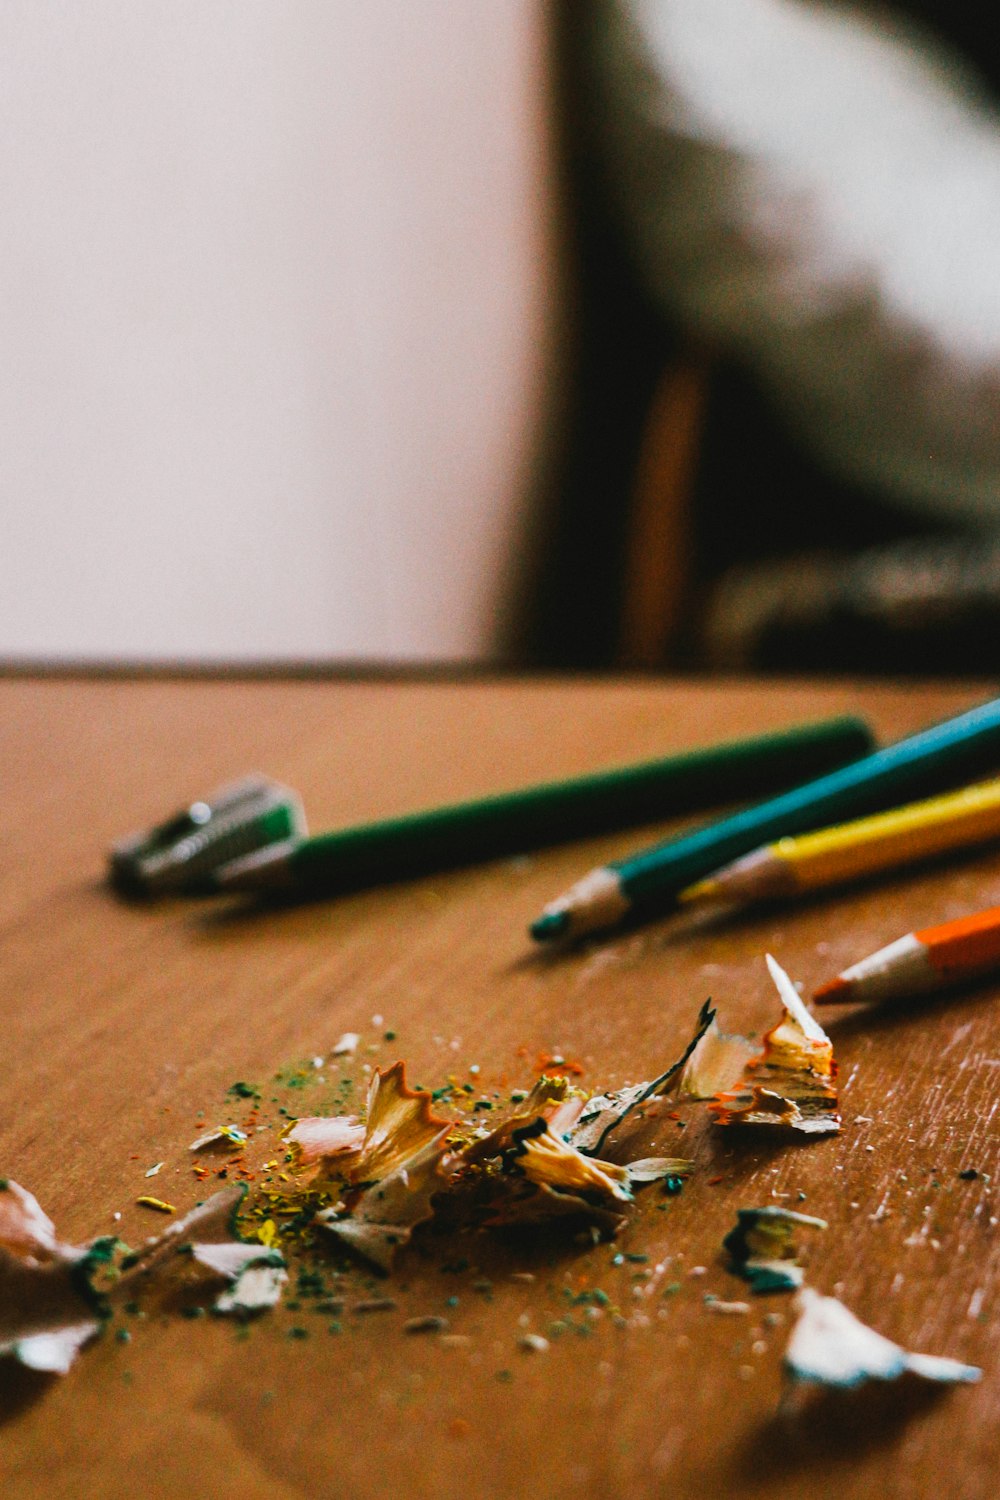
(275, 297)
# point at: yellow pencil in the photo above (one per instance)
(883, 841)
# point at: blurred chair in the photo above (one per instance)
(820, 490)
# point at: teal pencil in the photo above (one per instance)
(647, 883)
(492, 827)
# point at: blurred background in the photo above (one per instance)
(657, 334)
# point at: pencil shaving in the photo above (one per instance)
(208, 1238)
(400, 1124)
(257, 1287)
(44, 1323)
(716, 1064)
(209, 1222)
(226, 1136)
(45, 1318)
(385, 1215)
(832, 1348)
(790, 1083)
(658, 1168)
(541, 1161)
(550, 1099)
(761, 1247)
(547, 1159)
(527, 1170)
(605, 1112)
(25, 1228)
(316, 1137)
(530, 1205)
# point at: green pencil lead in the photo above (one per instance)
(551, 924)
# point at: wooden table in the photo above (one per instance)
(124, 1026)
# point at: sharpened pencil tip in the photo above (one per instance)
(833, 991)
(551, 924)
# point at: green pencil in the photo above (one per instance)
(648, 883)
(492, 827)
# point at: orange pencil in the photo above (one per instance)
(920, 962)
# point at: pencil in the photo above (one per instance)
(648, 883)
(920, 962)
(831, 856)
(491, 827)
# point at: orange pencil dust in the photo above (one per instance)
(920, 962)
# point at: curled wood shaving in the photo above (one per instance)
(791, 1082)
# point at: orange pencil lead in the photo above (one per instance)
(834, 991)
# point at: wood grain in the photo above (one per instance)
(124, 1025)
